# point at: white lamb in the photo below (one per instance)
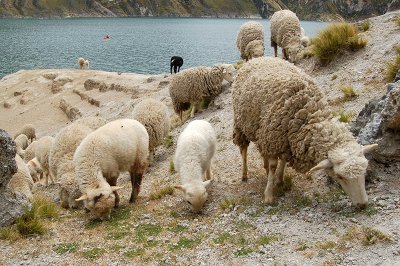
(194, 152)
(21, 181)
(121, 145)
(29, 153)
(286, 33)
(42, 152)
(61, 157)
(21, 142)
(83, 63)
(190, 86)
(305, 40)
(250, 40)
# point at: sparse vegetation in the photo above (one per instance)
(143, 231)
(184, 243)
(397, 21)
(285, 186)
(336, 39)
(367, 235)
(171, 167)
(266, 240)
(66, 248)
(393, 67)
(326, 245)
(334, 76)
(92, 254)
(168, 141)
(134, 253)
(365, 25)
(348, 92)
(161, 193)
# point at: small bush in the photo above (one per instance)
(365, 25)
(348, 92)
(335, 39)
(393, 67)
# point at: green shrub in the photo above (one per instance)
(365, 25)
(335, 39)
(393, 67)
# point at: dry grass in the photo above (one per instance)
(348, 92)
(336, 39)
(365, 26)
(161, 193)
(393, 67)
(367, 235)
(397, 21)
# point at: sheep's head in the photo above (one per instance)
(293, 51)
(196, 196)
(348, 166)
(100, 201)
(254, 49)
(228, 71)
(35, 169)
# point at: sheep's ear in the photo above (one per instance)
(83, 197)
(322, 165)
(206, 183)
(115, 188)
(369, 148)
(224, 71)
(180, 187)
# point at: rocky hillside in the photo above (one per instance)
(310, 10)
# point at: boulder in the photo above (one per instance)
(12, 205)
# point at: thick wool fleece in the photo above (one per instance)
(28, 130)
(285, 29)
(281, 110)
(249, 32)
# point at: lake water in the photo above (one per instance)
(140, 45)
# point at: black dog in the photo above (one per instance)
(176, 62)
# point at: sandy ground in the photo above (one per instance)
(312, 224)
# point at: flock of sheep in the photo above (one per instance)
(276, 105)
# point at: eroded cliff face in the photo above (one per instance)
(305, 9)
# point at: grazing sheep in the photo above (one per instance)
(83, 63)
(21, 181)
(250, 40)
(28, 130)
(42, 152)
(195, 149)
(282, 110)
(191, 85)
(153, 114)
(286, 33)
(61, 157)
(35, 169)
(176, 62)
(21, 142)
(121, 145)
(29, 153)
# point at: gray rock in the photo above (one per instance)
(11, 205)
(397, 78)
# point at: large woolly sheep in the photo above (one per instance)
(121, 145)
(28, 130)
(61, 157)
(282, 110)
(286, 33)
(21, 142)
(194, 152)
(21, 181)
(29, 153)
(153, 114)
(250, 40)
(41, 160)
(191, 85)
(83, 63)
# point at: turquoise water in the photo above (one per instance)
(140, 45)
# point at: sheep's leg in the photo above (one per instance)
(269, 190)
(275, 49)
(51, 177)
(136, 181)
(208, 173)
(175, 68)
(193, 110)
(280, 171)
(243, 152)
(171, 70)
(284, 54)
(179, 68)
(113, 182)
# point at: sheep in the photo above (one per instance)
(61, 157)
(191, 85)
(250, 40)
(21, 181)
(176, 62)
(305, 40)
(286, 33)
(153, 114)
(29, 153)
(35, 169)
(194, 152)
(42, 151)
(21, 142)
(28, 130)
(83, 63)
(120, 145)
(282, 110)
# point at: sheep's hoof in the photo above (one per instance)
(244, 179)
(269, 200)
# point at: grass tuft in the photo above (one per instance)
(365, 25)
(171, 167)
(393, 67)
(348, 92)
(168, 141)
(184, 243)
(66, 248)
(335, 39)
(397, 21)
(266, 240)
(334, 76)
(134, 253)
(145, 230)
(161, 193)
(9, 233)
(94, 253)
(368, 236)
